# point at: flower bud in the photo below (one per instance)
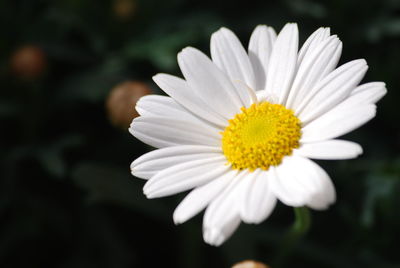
(122, 100)
(124, 9)
(250, 264)
(28, 62)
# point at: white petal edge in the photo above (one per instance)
(222, 216)
(260, 48)
(329, 150)
(210, 84)
(185, 176)
(312, 42)
(157, 105)
(283, 61)
(312, 69)
(368, 93)
(299, 181)
(180, 91)
(164, 132)
(217, 236)
(229, 55)
(331, 90)
(257, 201)
(153, 162)
(337, 122)
(278, 183)
(200, 197)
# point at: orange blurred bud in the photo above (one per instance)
(124, 9)
(28, 62)
(250, 264)
(121, 102)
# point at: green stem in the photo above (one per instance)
(299, 228)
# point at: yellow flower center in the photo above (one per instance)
(260, 136)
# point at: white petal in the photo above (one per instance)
(163, 132)
(338, 121)
(222, 215)
(151, 163)
(185, 176)
(257, 201)
(369, 93)
(210, 83)
(216, 236)
(327, 193)
(333, 62)
(229, 55)
(301, 182)
(180, 91)
(260, 48)
(282, 65)
(168, 108)
(157, 105)
(200, 197)
(330, 91)
(281, 187)
(312, 42)
(329, 150)
(251, 92)
(312, 69)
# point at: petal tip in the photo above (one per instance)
(261, 26)
(157, 77)
(251, 219)
(224, 29)
(292, 26)
(213, 237)
(362, 62)
(176, 219)
(150, 194)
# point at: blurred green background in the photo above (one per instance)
(67, 198)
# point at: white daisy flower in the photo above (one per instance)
(242, 126)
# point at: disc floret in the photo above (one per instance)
(260, 136)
